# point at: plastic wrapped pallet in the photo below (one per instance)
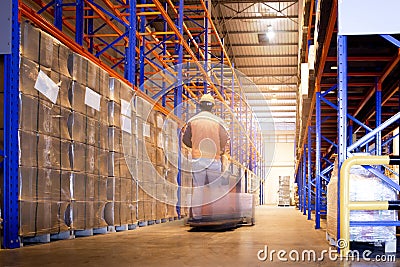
(88, 201)
(121, 201)
(44, 199)
(62, 136)
(364, 186)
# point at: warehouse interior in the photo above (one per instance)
(97, 96)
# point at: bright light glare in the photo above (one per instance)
(270, 34)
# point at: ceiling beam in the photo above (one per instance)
(250, 32)
(265, 66)
(250, 1)
(272, 75)
(275, 117)
(258, 17)
(265, 56)
(269, 92)
(282, 83)
(264, 44)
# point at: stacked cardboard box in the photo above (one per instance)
(147, 160)
(284, 191)
(171, 152)
(121, 207)
(87, 143)
(44, 185)
(87, 121)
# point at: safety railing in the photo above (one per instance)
(346, 205)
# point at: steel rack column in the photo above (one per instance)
(240, 149)
(58, 10)
(164, 54)
(206, 46)
(304, 181)
(142, 29)
(342, 112)
(232, 135)
(90, 29)
(378, 114)
(318, 160)
(250, 158)
(79, 22)
(10, 113)
(130, 56)
(300, 186)
(350, 133)
(309, 173)
(178, 101)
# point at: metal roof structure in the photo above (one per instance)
(270, 62)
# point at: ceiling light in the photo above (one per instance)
(270, 32)
(334, 68)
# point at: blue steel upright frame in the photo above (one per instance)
(11, 150)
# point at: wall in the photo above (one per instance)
(280, 164)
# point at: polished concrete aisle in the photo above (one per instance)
(173, 244)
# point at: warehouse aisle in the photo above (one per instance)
(172, 244)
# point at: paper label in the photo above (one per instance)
(160, 121)
(47, 87)
(146, 130)
(126, 124)
(92, 99)
(126, 108)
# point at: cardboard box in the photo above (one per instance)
(49, 118)
(29, 71)
(77, 155)
(92, 163)
(77, 126)
(36, 45)
(48, 152)
(60, 59)
(65, 84)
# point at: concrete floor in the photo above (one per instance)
(173, 244)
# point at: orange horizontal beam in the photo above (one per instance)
(149, 13)
(371, 58)
(156, 33)
(353, 74)
(145, 5)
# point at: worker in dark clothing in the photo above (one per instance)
(206, 135)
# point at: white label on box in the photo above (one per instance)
(126, 108)
(126, 124)
(146, 129)
(160, 121)
(47, 87)
(92, 99)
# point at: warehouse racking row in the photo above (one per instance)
(150, 47)
(352, 106)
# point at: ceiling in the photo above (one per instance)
(271, 63)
